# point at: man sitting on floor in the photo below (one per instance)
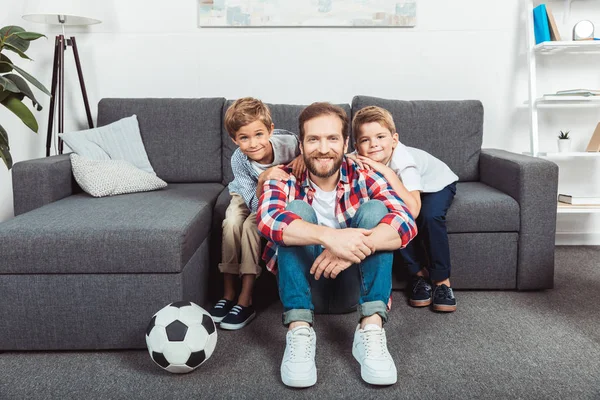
(337, 222)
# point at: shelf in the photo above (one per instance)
(572, 154)
(566, 46)
(564, 208)
(568, 102)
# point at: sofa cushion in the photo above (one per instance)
(450, 130)
(284, 117)
(177, 134)
(478, 207)
(112, 177)
(120, 140)
(150, 232)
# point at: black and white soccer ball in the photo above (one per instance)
(181, 336)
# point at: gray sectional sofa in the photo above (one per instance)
(78, 272)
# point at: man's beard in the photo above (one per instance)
(312, 165)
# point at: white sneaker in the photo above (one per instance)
(370, 350)
(298, 367)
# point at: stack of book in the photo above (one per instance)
(579, 200)
(572, 93)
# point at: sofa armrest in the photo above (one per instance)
(41, 181)
(533, 183)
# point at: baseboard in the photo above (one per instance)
(577, 238)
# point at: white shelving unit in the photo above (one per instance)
(538, 104)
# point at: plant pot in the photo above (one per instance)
(564, 145)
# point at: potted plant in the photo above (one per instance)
(564, 142)
(13, 86)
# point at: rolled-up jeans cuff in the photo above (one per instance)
(295, 315)
(369, 308)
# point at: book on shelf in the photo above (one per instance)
(579, 200)
(573, 95)
(594, 144)
(581, 92)
(554, 34)
(541, 27)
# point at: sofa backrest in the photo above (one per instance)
(450, 130)
(285, 116)
(178, 134)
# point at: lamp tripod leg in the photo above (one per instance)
(61, 90)
(55, 67)
(82, 83)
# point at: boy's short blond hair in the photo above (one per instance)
(372, 114)
(245, 111)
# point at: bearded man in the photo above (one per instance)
(338, 223)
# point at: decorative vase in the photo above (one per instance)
(564, 145)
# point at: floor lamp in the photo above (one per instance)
(62, 12)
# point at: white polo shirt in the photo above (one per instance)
(419, 170)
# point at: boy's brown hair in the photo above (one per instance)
(245, 111)
(318, 109)
(372, 114)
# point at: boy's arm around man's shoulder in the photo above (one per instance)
(285, 148)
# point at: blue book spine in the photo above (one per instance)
(541, 28)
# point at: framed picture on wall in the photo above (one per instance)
(307, 13)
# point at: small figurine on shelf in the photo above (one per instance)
(564, 142)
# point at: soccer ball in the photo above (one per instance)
(181, 336)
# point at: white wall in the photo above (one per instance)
(464, 49)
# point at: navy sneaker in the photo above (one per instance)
(238, 317)
(421, 292)
(443, 299)
(221, 309)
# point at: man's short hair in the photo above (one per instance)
(318, 109)
(245, 111)
(372, 114)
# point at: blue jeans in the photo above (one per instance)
(370, 281)
(433, 236)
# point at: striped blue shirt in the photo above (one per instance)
(245, 176)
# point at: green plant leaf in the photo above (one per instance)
(8, 37)
(5, 148)
(20, 110)
(4, 94)
(3, 137)
(16, 50)
(9, 85)
(6, 157)
(30, 78)
(5, 67)
(24, 88)
(29, 35)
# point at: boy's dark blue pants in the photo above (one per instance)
(432, 235)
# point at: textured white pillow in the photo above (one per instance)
(120, 140)
(111, 177)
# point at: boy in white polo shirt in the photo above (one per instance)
(427, 186)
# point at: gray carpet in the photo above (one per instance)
(499, 344)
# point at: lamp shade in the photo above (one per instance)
(63, 12)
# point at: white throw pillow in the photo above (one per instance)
(120, 140)
(111, 177)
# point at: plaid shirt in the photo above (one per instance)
(354, 188)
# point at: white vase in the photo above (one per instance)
(564, 145)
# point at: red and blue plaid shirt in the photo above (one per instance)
(354, 188)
